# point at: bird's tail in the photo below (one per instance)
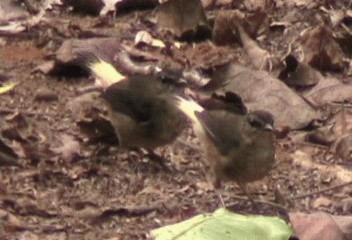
(189, 107)
(104, 72)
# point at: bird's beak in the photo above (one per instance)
(269, 127)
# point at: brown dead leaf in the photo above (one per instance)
(90, 114)
(259, 90)
(86, 6)
(337, 93)
(322, 136)
(316, 226)
(342, 121)
(11, 223)
(45, 94)
(224, 30)
(299, 74)
(186, 18)
(321, 50)
(8, 156)
(226, 22)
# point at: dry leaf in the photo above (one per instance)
(259, 90)
(316, 226)
(186, 18)
(321, 50)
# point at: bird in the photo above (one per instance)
(140, 108)
(239, 146)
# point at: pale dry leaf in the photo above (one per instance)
(147, 38)
(322, 202)
(69, 148)
(337, 93)
(336, 16)
(345, 224)
(316, 226)
(109, 6)
(304, 160)
(259, 57)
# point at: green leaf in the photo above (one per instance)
(225, 225)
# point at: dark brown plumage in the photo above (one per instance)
(142, 113)
(239, 147)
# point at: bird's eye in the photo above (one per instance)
(255, 123)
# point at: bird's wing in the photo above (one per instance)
(221, 128)
(126, 101)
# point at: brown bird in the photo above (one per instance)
(142, 113)
(141, 108)
(238, 147)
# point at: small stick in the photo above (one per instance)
(320, 191)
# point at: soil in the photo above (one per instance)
(68, 188)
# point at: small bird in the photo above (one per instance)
(141, 108)
(142, 113)
(238, 147)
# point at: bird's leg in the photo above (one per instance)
(156, 158)
(217, 188)
(244, 189)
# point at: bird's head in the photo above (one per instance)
(261, 120)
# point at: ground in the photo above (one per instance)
(103, 192)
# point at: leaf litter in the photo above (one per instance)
(61, 174)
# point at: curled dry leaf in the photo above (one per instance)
(259, 57)
(322, 136)
(299, 74)
(259, 90)
(147, 38)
